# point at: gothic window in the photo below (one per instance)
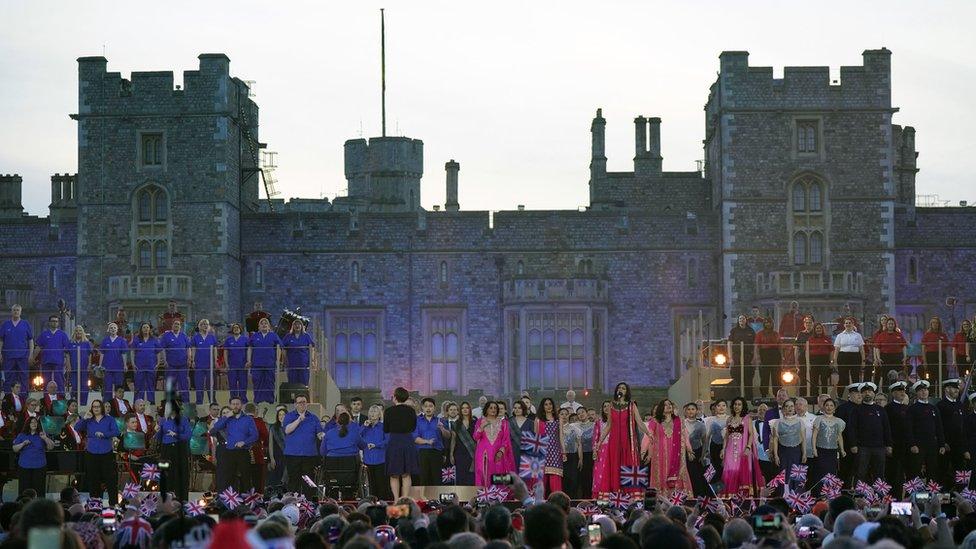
(152, 149)
(355, 350)
(442, 273)
(444, 330)
(799, 249)
(259, 275)
(520, 268)
(151, 228)
(799, 198)
(816, 248)
(555, 350)
(913, 270)
(806, 136)
(354, 273)
(815, 202)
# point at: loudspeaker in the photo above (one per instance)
(287, 392)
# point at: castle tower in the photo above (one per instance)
(11, 203)
(164, 174)
(384, 173)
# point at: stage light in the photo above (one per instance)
(788, 376)
(39, 382)
(720, 359)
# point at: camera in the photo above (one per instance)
(650, 500)
(594, 533)
(501, 479)
(447, 498)
(766, 524)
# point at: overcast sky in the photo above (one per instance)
(507, 89)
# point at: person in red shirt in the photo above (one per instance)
(770, 355)
(258, 455)
(819, 347)
(935, 347)
(889, 346)
(964, 346)
(792, 321)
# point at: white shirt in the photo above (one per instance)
(849, 342)
(142, 421)
(476, 412)
(808, 419)
(123, 409)
(573, 406)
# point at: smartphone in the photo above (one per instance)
(921, 496)
(603, 503)
(448, 497)
(501, 479)
(901, 508)
(650, 500)
(44, 538)
(765, 524)
(398, 511)
(595, 534)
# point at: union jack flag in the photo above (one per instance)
(134, 532)
(968, 494)
(150, 471)
(711, 504)
(913, 486)
(587, 509)
(864, 488)
(709, 472)
(798, 473)
(491, 494)
(778, 480)
(633, 476)
(252, 498)
(962, 477)
(801, 503)
(700, 521)
(93, 504)
(881, 487)
(449, 474)
(130, 490)
(148, 507)
(230, 497)
(534, 443)
(831, 479)
(618, 500)
(306, 508)
(531, 467)
(830, 492)
(933, 486)
(678, 497)
(194, 509)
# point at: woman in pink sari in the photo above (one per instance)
(600, 476)
(622, 436)
(740, 472)
(667, 448)
(493, 453)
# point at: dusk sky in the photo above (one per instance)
(507, 89)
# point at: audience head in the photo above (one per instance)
(545, 527)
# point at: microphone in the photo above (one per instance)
(620, 394)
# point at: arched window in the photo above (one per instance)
(52, 279)
(816, 248)
(815, 199)
(799, 249)
(259, 275)
(520, 268)
(151, 228)
(442, 273)
(799, 198)
(354, 272)
(162, 254)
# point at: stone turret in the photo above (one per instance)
(451, 202)
(11, 204)
(385, 172)
(64, 201)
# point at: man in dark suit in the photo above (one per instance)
(356, 410)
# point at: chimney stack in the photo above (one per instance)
(452, 168)
(598, 155)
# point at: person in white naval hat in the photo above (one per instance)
(845, 410)
(901, 433)
(951, 409)
(928, 441)
(869, 435)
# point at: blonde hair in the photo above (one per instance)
(378, 408)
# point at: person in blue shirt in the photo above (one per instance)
(145, 349)
(241, 433)
(16, 346)
(303, 431)
(79, 353)
(114, 349)
(373, 442)
(340, 447)
(30, 446)
(430, 448)
(298, 348)
(100, 467)
(173, 433)
(263, 356)
(54, 352)
(177, 347)
(202, 347)
(235, 357)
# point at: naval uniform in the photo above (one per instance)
(952, 425)
(901, 435)
(870, 433)
(927, 435)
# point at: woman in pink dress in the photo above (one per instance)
(600, 458)
(740, 472)
(622, 436)
(493, 453)
(667, 448)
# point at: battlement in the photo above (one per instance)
(741, 86)
(153, 92)
(386, 171)
(11, 204)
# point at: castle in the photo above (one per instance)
(807, 193)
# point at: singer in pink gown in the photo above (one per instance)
(493, 453)
(600, 452)
(624, 424)
(667, 449)
(740, 471)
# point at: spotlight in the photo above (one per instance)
(788, 376)
(720, 359)
(38, 382)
